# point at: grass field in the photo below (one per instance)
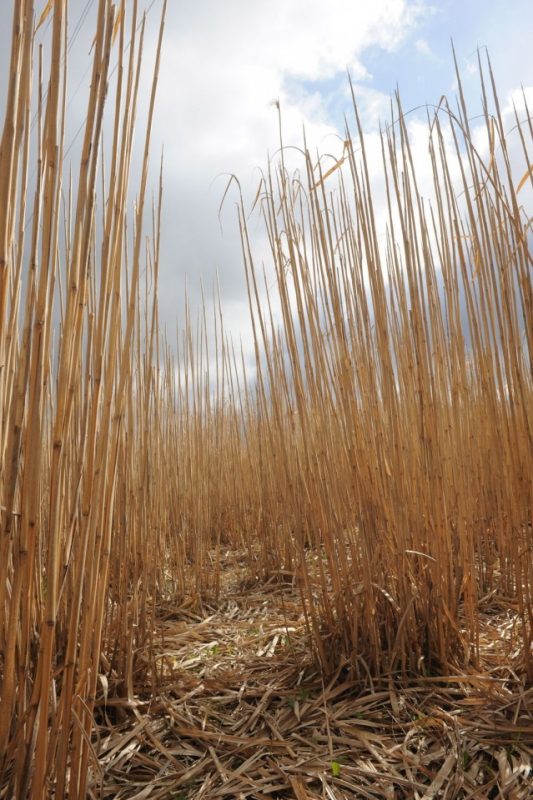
(309, 579)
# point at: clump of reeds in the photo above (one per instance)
(395, 398)
(382, 449)
(69, 349)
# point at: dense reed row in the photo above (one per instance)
(69, 323)
(390, 423)
(397, 396)
(382, 451)
(395, 399)
(379, 450)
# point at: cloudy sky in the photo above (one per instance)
(226, 61)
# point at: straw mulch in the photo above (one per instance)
(239, 711)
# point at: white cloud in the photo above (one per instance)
(223, 64)
(422, 47)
